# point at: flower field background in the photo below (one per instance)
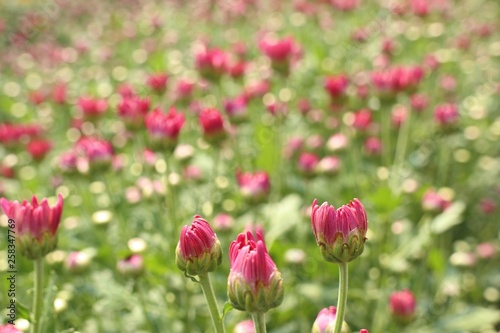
(142, 114)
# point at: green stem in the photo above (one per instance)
(259, 322)
(342, 301)
(208, 291)
(38, 297)
(140, 294)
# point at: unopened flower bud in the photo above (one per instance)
(198, 251)
(132, 266)
(35, 225)
(340, 233)
(325, 321)
(402, 305)
(254, 285)
(246, 326)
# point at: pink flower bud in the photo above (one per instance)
(373, 146)
(336, 85)
(432, 201)
(402, 305)
(246, 326)
(236, 108)
(325, 321)
(132, 110)
(198, 251)
(132, 266)
(157, 82)
(280, 51)
(212, 124)
(164, 128)
(92, 107)
(419, 102)
(59, 93)
(488, 206)
(340, 233)
(446, 115)
(308, 163)
(328, 165)
(38, 149)
(211, 63)
(77, 262)
(36, 225)
(223, 222)
(363, 119)
(98, 153)
(253, 186)
(254, 283)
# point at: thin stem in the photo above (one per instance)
(259, 321)
(150, 321)
(208, 291)
(38, 297)
(342, 301)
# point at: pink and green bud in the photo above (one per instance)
(77, 262)
(246, 326)
(402, 305)
(132, 266)
(325, 321)
(35, 225)
(198, 251)
(254, 285)
(340, 233)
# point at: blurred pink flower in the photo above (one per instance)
(131, 266)
(212, 124)
(446, 115)
(164, 128)
(373, 146)
(39, 148)
(254, 186)
(92, 107)
(402, 305)
(157, 82)
(307, 163)
(245, 326)
(336, 85)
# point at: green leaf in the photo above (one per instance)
(23, 311)
(227, 307)
(452, 216)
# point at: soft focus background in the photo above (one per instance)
(393, 102)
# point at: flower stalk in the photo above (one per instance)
(38, 296)
(208, 291)
(259, 320)
(342, 299)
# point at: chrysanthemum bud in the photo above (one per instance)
(198, 251)
(77, 262)
(246, 326)
(254, 285)
(402, 305)
(35, 225)
(132, 266)
(340, 233)
(325, 321)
